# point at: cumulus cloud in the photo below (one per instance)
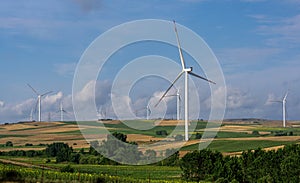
(21, 111)
(2, 103)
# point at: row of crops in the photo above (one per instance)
(20, 174)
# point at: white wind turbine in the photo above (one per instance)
(62, 111)
(283, 102)
(186, 71)
(178, 101)
(148, 112)
(39, 98)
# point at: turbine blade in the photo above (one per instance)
(46, 93)
(196, 75)
(179, 47)
(32, 89)
(284, 98)
(276, 101)
(36, 106)
(179, 75)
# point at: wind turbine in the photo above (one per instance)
(186, 71)
(31, 115)
(39, 98)
(178, 100)
(148, 112)
(283, 102)
(62, 111)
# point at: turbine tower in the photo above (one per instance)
(39, 98)
(186, 71)
(283, 102)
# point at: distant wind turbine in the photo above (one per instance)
(178, 102)
(39, 98)
(186, 71)
(148, 113)
(62, 111)
(283, 102)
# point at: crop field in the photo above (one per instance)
(230, 136)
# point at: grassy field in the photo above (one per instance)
(231, 137)
(138, 172)
(238, 145)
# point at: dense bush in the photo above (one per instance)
(68, 169)
(282, 165)
(161, 132)
(9, 144)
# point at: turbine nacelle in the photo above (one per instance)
(188, 69)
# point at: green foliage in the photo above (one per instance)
(60, 150)
(282, 165)
(238, 145)
(9, 144)
(150, 155)
(198, 135)
(120, 136)
(161, 132)
(68, 169)
(171, 158)
(179, 137)
(117, 148)
(255, 132)
(10, 175)
(197, 165)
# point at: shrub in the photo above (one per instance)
(178, 138)
(10, 175)
(198, 135)
(162, 132)
(255, 132)
(9, 144)
(68, 169)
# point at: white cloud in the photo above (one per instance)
(2, 103)
(281, 31)
(49, 100)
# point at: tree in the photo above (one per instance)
(9, 144)
(150, 155)
(60, 150)
(198, 165)
(178, 137)
(117, 148)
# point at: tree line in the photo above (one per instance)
(282, 165)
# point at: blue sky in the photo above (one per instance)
(255, 41)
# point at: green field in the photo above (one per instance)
(238, 145)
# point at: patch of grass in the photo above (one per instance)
(72, 132)
(13, 135)
(238, 145)
(38, 127)
(137, 172)
(223, 134)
